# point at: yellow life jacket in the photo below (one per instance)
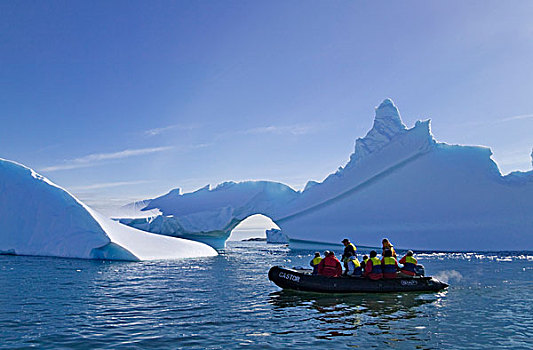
(389, 264)
(345, 258)
(317, 260)
(376, 266)
(410, 264)
(355, 261)
(388, 260)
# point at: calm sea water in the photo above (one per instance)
(228, 302)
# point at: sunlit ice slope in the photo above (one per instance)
(402, 184)
(445, 199)
(40, 218)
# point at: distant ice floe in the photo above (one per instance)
(276, 236)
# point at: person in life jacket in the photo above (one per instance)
(389, 265)
(363, 263)
(354, 267)
(409, 265)
(388, 245)
(349, 250)
(373, 267)
(314, 263)
(330, 266)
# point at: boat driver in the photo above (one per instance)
(349, 250)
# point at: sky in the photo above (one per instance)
(124, 100)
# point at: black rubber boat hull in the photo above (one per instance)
(292, 279)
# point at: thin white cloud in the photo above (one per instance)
(158, 131)
(199, 145)
(516, 117)
(102, 185)
(95, 158)
(298, 129)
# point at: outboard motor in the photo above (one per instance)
(420, 271)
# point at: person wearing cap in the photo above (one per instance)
(314, 263)
(330, 266)
(349, 250)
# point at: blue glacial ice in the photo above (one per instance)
(399, 183)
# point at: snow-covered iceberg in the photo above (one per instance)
(399, 183)
(40, 218)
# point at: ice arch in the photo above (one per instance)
(195, 228)
(209, 215)
(253, 226)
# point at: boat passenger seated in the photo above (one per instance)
(314, 263)
(409, 265)
(363, 263)
(354, 267)
(373, 267)
(389, 264)
(330, 266)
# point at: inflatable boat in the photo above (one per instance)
(304, 281)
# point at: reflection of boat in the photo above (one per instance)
(295, 280)
(392, 305)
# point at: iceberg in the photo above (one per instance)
(42, 219)
(209, 215)
(399, 183)
(276, 236)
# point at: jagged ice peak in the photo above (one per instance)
(387, 120)
(387, 124)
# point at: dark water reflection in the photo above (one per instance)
(383, 315)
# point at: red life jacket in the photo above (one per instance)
(330, 266)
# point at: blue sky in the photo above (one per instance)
(124, 100)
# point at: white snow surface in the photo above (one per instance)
(399, 183)
(42, 219)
